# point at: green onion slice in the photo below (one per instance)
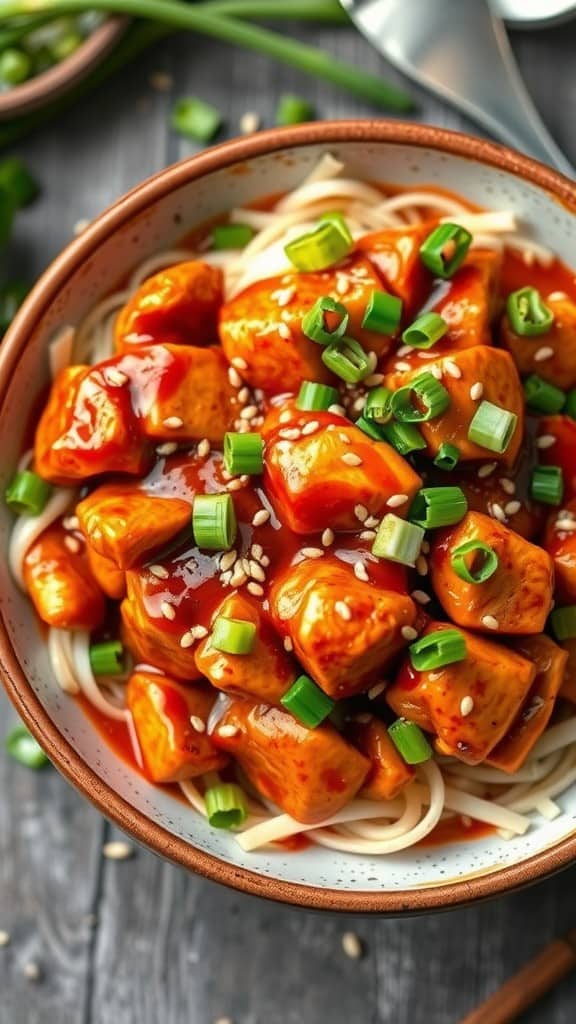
(225, 806)
(314, 397)
(383, 313)
(444, 647)
(231, 236)
(528, 315)
(22, 746)
(563, 622)
(336, 218)
(547, 485)
(214, 521)
(319, 249)
(370, 428)
(425, 331)
(348, 360)
(107, 658)
(404, 437)
(444, 251)
(326, 321)
(15, 66)
(378, 405)
(243, 453)
(492, 427)
(438, 506)
(448, 457)
(474, 561)
(307, 702)
(397, 540)
(423, 399)
(196, 119)
(233, 636)
(27, 493)
(293, 110)
(410, 741)
(570, 407)
(542, 396)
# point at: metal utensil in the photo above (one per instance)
(459, 49)
(534, 13)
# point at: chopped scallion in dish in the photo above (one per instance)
(233, 636)
(438, 649)
(22, 746)
(307, 702)
(410, 741)
(474, 561)
(528, 314)
(226, 806)
(445, 249)
(27, 493)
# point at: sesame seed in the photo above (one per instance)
(476, 391)
(234, 377)
(257, 551)
(359, 403)
(199, 632)
(245, 563)
(371, 522)
(234, 485)
(566, 525)
(225, 578)
(327, 537)
(239, 363)
(73, 544)
(227, 560)
(249, 122)
(361, 512)
(284, 608)
(409, 633)
(285, 416)
(512, 507)
(168, 610)
(255, 589)
(186, 640)
(376, 690)
(238, 578)
(402, 367)
(203, 449)
(159, 572)
(71, 523)
(373, 380)
(117, 850)
(425, 547)
(312, 552)
(486, 469)
(161, 81)
(545, 441)
(360, 572)
(337, 410)
(543, 353)
(368, 535)
(497, 512)
(452, 369)
(283, 296)
(557, 296)
(344, 437)
(248, 412)
(342, 284)
(421, 597)
(256, 571)
(32, 971)
(405, 350)
(115, 377)
(508, 486)
(436, 372)
(288, 645)
(421, 566)
(490, 622)
(289, 433)
(4, 938)
(342, 609)
(395, 500)
(352, 946)
(261, 517)
(168, 448)
(466, 706)
(228, 731)
(310, 427)
(197, 723)
(173, 422)
(351, 459)
(284, 331)
(81, 225)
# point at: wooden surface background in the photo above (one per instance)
(140, 942)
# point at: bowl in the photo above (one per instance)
(44, 88)
(152, 217)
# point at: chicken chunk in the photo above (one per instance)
(177, 306)
(310, 773)
(497, 681)
(344, 631)
(60, 583)
(108, 576)
(265, 674)
(323, 475)
(560, 543)
(559, 366)
(550, 661)
(163, 712)
(518, 596)
(503, 494)
(395, 252)
(389, 772)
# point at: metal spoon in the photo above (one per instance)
(459, 50)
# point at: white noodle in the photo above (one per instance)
(62, 660)
(319, 191)
(491, 222)
(328, 166)
(27, 529)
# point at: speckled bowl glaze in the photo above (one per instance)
(152, 217)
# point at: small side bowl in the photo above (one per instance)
(43, 88)
(152, 217)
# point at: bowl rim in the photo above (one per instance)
(59, 750)
(43, 88)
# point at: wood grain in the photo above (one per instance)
(166, 948)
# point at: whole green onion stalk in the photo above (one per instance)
(221, 19)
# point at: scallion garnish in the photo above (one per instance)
(378, 405)
(410, 741)
(383, 313)
(307, 702)
(347, 359)
(225, 806)
(492, 427)
(326, 322)
(445, 249)
(370, 428)
(404, 437)
(528, 314)
(474, 561)
(15, 66)
(547, 485)
(397, 540)
(214, 521)
(443, 647)
(425, 331)
(542, 396)
(233, 636)
(293, 110)
(196, 119)
(231, 236)
(319, 249)
(563, 622)
(22, 746)
(438, 506)
(27, 493)
(107, 658)
(423, 399)
(314, 397)
(338, 220)
(448, 457)
(243, 453)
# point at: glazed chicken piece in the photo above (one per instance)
(501, 386)
(496, 679)
(502, 494)
(60, 583)
(108, 576)
(344, 631)
(177, 306)
(389, 772)
(265, 674)
(163, 712)
(517, 598)
(309, 773)
(395, 253)
(550, 661)
(262, 326)
(321, 477)
(560, 452)
(561, 546)
(122, 523)
(559, 365)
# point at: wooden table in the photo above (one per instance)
(140, 942)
